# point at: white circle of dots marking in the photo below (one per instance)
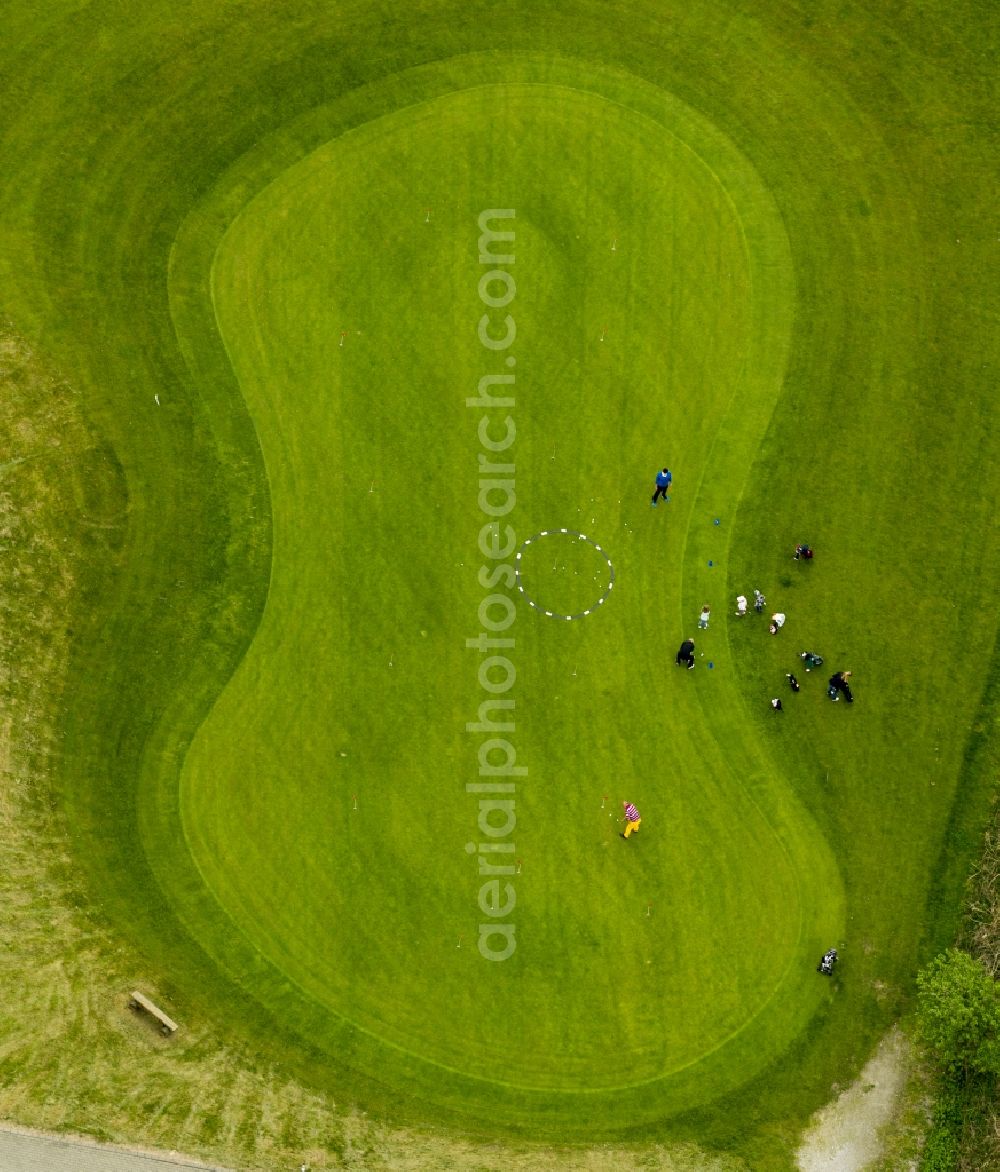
(551, 613)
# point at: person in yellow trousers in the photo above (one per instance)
(633, 819)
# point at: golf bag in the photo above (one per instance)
(793, 683)
(829, 959)
(803, 552)
(811, 659)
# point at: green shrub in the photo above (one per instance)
(943, 1140)
(959, 1013)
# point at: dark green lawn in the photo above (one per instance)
(752, 243)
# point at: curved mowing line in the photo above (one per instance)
(554, 614)
(100, 238)
(712, 172)
(748, 1021)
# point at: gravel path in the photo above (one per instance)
(29, 1151)
(844, 1136)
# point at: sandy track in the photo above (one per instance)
(22, 1150)
(845, 1135)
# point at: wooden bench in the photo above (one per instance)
(137, 1001)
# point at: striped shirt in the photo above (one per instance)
(631, 813)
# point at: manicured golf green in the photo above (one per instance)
(361, 661)
(285, 254)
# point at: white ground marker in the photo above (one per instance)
(580, 537)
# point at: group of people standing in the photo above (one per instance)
(685, 656)
(838, 686)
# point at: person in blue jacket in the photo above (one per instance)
(663, 480)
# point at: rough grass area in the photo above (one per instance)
(982, 931)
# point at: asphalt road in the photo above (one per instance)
(23, 1151)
